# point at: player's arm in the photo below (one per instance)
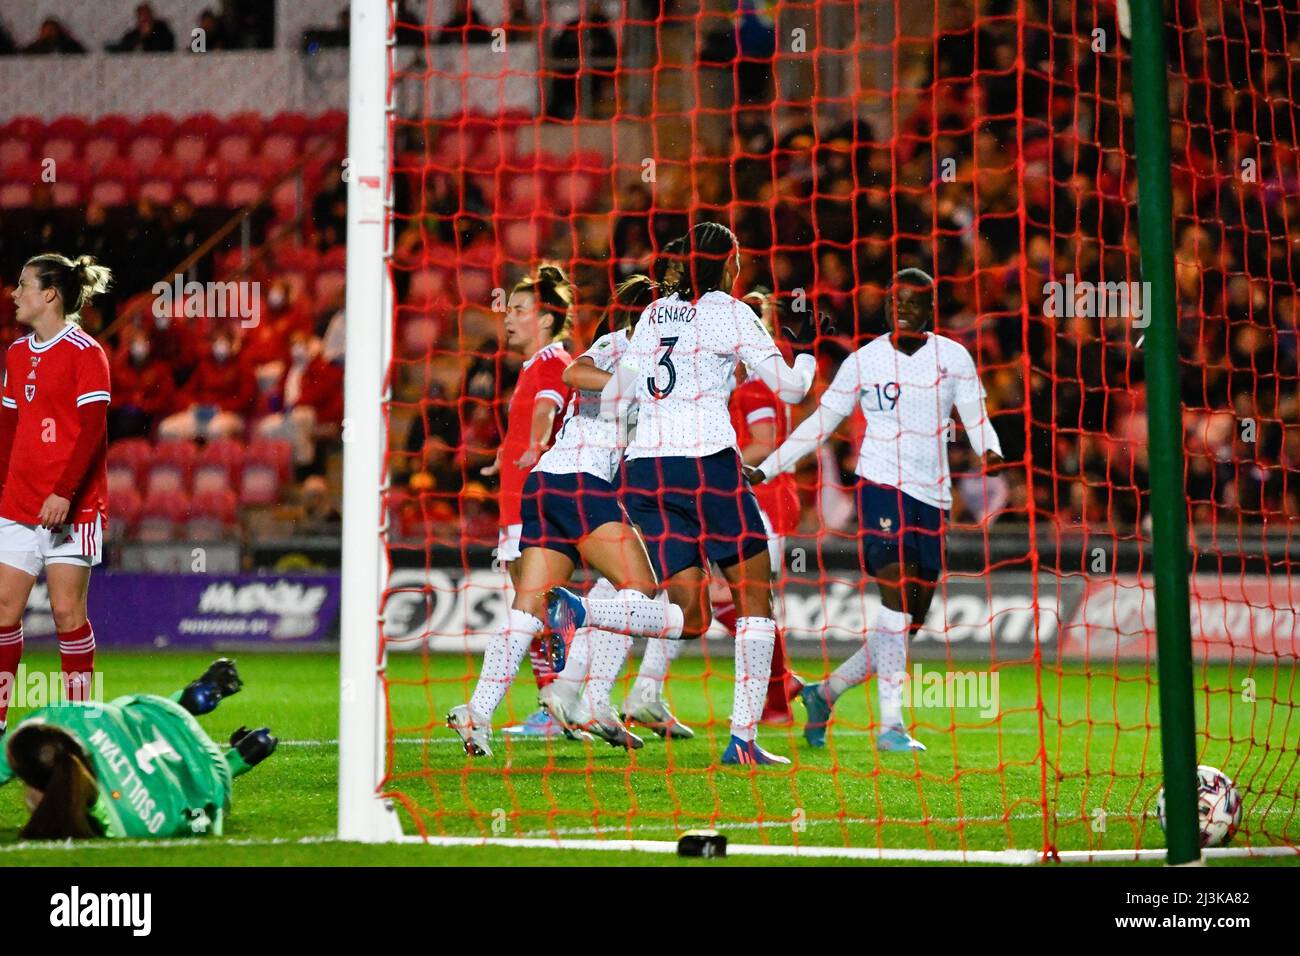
(92, 414)
(760, 418)
(584, 375)
(550, 399)
(764, 361)
(539, 436)
(836, 405)
(970, 405)
(8, 428)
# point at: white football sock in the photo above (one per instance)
(576, 664)
(659, 653)
(888, 644)
(631, 612)
(608, 655)
(851, 673)
(501, 661)
(755, 641)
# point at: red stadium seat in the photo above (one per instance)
(113, 184)
(242, 189)
(205, 125)
(202, 190)
(280, 149)
(266, 468)
(14, 152)
(235, 148)
(332, 122)
(161, 125)
(218, 466)
(145, 149)
(71, 127)
(61, 149)
(72, 184)
(132, 455)
(289, 123)
(250, 124)
(99, 150)
(160, 182)
(213, 514)
(124, 506)
(114, 125)
(171, 464)
(160, 515)
(30, 128)
(190, 150)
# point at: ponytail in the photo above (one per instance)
(76, 280)
(554, 294)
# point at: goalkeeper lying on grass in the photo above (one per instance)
(140, 766)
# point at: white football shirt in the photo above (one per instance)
(587, 443)
(908, 402)
(686, 354)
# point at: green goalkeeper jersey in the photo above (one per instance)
(159, 774)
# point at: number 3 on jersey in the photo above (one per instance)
(666, 360)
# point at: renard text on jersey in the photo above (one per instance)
(668, 311)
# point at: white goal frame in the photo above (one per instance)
(363, 815)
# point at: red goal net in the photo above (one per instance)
(990, 144)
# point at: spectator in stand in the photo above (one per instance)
(7, 45)
(218, 397)
(311, 406)
(54, 38)
(464, 26)
(584, 44)
(318, 512)
(519, 23)
(150, 35)
(329, 213)
(215, 34)
(143, 389)
(250, 23)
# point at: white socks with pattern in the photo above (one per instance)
(631, 612)
(886, 653)
(755, 641)
(501, 661)
(659, 653)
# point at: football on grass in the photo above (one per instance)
(1218, 804)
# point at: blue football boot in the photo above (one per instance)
(819, 714)
(748, 752)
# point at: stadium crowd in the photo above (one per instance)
(996, 180)
(830, 210)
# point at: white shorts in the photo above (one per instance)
(508, 542)
(29, 547)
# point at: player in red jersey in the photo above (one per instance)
(538, 315)
(53, 448)
(762, 422)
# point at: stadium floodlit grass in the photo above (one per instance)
(285, 811)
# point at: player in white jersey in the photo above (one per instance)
(570, 515)
(907, 384)
(685, 489)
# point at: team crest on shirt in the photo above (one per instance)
(30, 391)
(886, 523)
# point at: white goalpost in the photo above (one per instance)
(363, 816)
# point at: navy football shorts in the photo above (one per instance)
(561, 510)
(894, 522)
(693, 511)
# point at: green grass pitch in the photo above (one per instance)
(979, 786)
